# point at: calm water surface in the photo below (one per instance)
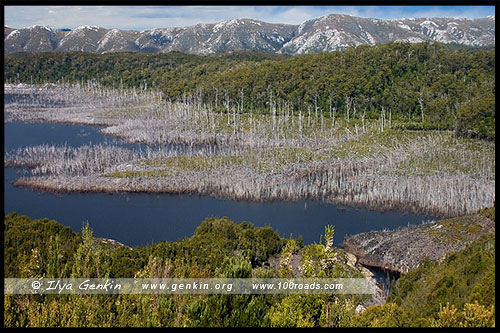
(140, 218)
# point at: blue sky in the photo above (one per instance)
(147, 17)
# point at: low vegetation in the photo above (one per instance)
(385, 127)
(395, 126)
(455, 292)
(283, 156)
(419, 86)
(406, 249)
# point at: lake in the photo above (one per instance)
(140, 218)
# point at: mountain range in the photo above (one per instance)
(327, 33)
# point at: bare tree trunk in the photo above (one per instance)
(363, 120)
(241, 94)
(316, 106)
(348, 102)
(421, 102)
(216, 97)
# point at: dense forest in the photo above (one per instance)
(276, 127)
(454, 292)
(421, 86)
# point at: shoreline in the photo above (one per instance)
(107, 185)
(355, 171)
(404, 249)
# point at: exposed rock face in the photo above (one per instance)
(336, 32)
(405, 249)
(295, 259)
(111, 242)
(327, 33)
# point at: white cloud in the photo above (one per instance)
(147, 17)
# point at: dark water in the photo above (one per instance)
(19, 135)
(139, 218)
(26, 134)
(31, 99)
(385, 278)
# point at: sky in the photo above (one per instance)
(147, 17)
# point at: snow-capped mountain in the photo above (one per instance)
(327, 33)
(31, 39)
(334, 32)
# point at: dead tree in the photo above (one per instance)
(421, 103)
(348, 103)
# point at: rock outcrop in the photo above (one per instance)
(406, 248)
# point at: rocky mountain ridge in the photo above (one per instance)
(327, 33)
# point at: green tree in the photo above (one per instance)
(387, 315)
(476, 118)
(91, 260)
(297, 311)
